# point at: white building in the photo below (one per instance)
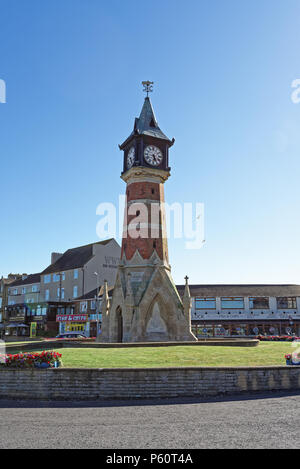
(245, 310)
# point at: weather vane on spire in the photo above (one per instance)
(148, 86)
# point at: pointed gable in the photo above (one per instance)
(147, 124)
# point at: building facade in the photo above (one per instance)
(26, 307)
(39, 300)
(86, 316)
(4, 286)
(80, 270)
(244, 310)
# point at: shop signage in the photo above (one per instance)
(33, 329)
(71, 317)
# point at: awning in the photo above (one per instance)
(16, 324)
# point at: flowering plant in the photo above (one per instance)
(292, 358)
(28, 360)
(280, 338)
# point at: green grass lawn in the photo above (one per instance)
(264, 354)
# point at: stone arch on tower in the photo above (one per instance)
(158, 324)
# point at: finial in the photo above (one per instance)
(186, 280)
(148, 86)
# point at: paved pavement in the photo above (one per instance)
(261, 421)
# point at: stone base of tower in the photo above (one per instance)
(146, 306)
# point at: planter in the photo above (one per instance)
(289, 362)
(41, 365)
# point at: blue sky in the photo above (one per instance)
(222, 71)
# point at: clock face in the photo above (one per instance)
(153, 155)
(130, 157)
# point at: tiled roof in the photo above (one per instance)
(146, 124)
(250, 290)
(29, 280)
(92, 294)
(207, 291)
(73, 258)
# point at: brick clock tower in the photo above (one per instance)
(145, 305)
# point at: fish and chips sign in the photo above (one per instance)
(71, 318)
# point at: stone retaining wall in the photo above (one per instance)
(105, 384)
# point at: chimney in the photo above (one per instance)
(55, 256)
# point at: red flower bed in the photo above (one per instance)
(29, 360)
(282, 338)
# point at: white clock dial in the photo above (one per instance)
(153, 155)
(130, 157)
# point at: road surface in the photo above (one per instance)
(261, 421)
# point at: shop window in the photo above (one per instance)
(259, 303)
(205, 303)
(286, 303)
(232, 303)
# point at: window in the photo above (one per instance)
(47, 278)
(83, 306)
(76, 274)
(93, 304)
(63, 276)
(44, 311)
(23, 290)
(56, 277)
(15, 291)
(259, 303)
(232, 303)
(205, 303)
(58, 293)
(75, 292)
(47, 295)
(34, 288)
(62, 293)
(286, 303)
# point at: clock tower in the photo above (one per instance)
(146, 306)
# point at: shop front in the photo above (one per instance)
(16, 324)
(17, 330)
(245, 329)
(73, 323)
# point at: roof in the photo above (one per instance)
(92, 294)
(29, 280)
(74, 258)
(260, 290)
(147, 124)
